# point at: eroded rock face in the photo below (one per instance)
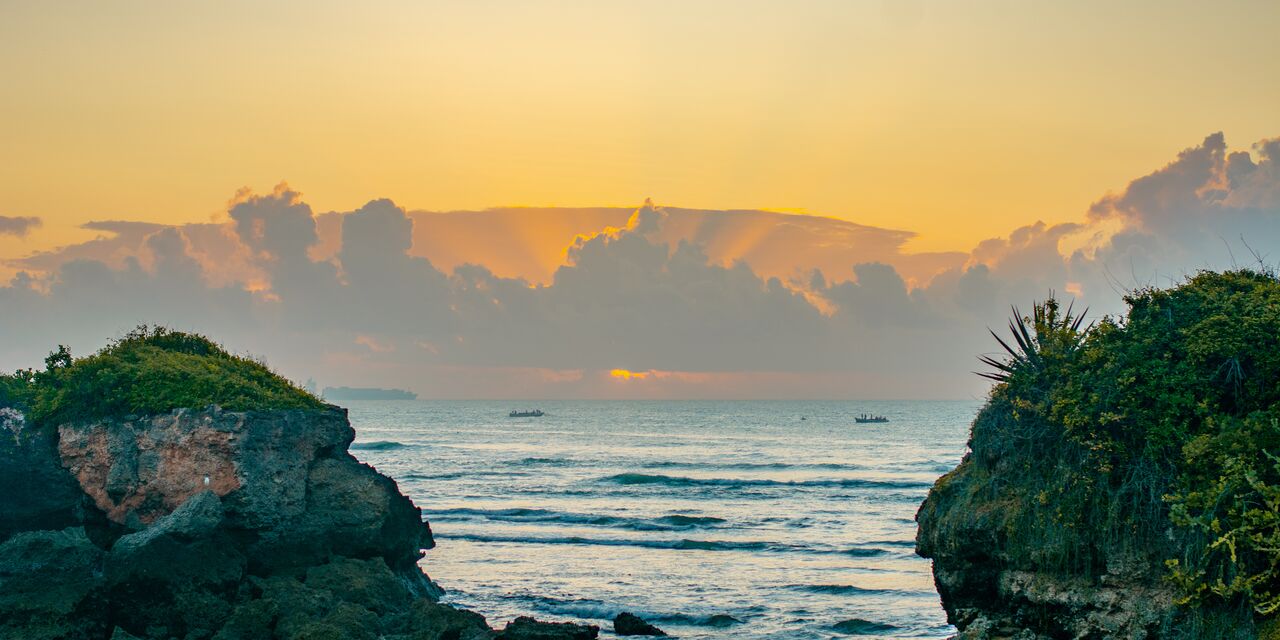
(995, 583)
(285, 477)
(138, 470)
(202, 524)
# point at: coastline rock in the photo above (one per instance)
(37, 492)
(996, 579)
(211, 524)
(288, 487)
(1121, 480)
(525, 628)
(993, 584)
(629, 624)
(50, 585)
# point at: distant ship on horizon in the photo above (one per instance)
(866, 417)
(366, 393)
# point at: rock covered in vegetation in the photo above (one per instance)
(630, 624)
(999, 576)
(1122, 481)
(132, 517)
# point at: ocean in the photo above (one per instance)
(754, 519)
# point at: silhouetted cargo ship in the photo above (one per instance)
(360, 393)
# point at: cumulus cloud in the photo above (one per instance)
(1206, 208)
(660, 301)
(18, 226)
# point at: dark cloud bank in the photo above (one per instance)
(17, 226)
(364, 310)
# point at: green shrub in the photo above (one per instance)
(1159, 430)
(148, 371)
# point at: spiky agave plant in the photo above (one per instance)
(1048, 330)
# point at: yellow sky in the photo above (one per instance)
(957, 119)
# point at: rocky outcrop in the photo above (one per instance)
(214, 525)
(990, 590)
(37, 492)
(630, 624)
(1004, 572)
(525, 628)
(290, 494)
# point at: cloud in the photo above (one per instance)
(1209, 207)
(660, 302)
(278, 226)
(18, 226)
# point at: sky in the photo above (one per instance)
(956, 119)
(948, 158)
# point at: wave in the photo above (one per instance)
(591, 609)
(892, 497)
(865, 552)
(689, 521)
(672, 522)
(778, 466)
(837, 589)
(858, 626)
(682, 481)
(908, 544)
(459, 475)
(677, 544)
(922, 467)
(379, 445)
(683, 544)
(551, 462)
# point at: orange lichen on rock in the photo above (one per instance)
(139, 471)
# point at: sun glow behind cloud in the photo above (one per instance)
(361, 307)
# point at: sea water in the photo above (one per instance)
(708, 519)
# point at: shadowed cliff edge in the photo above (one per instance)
(164, 488)
(1123, 478)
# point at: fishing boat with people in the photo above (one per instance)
(866, 417)
(536, 413)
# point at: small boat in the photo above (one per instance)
(536, 413)
(866, 417)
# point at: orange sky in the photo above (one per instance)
(960, 120)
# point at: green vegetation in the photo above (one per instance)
(148, 371)
(1156, 435)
